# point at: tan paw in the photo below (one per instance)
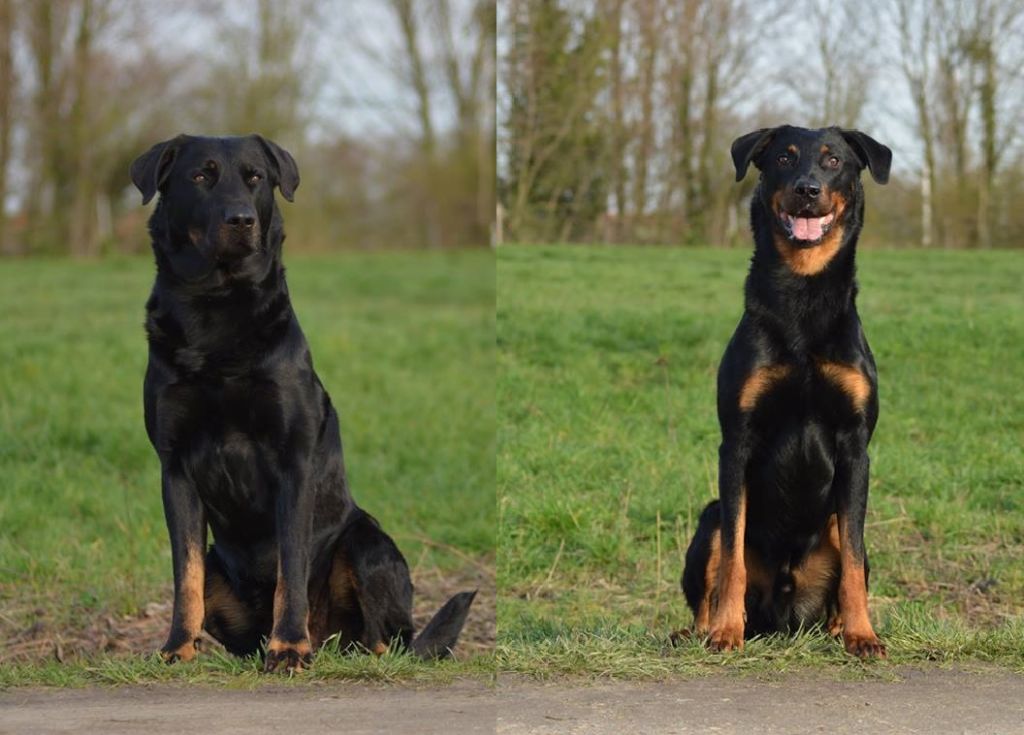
(288, 657)
(864, 645)
(835, 626)
(727, 637)
(185, 652)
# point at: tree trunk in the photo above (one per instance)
(81, 227)
(43, 43)
(987, 103)
(930, 182)
(649, 37)
(409, 24)
(618, 131)
(684, 112)
(7, 80)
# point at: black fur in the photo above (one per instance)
(248, 440)
(800, 447)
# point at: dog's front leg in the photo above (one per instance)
(289, 646)
(851, 489)
(186, 523)
(728, 618)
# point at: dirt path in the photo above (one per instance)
(338, 710)
(932, 703)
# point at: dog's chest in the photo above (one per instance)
(227, 433)
(819, 386)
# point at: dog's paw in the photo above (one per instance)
(726, 638)
(288, 657)
(186, 651)
(835, 626)
(681, 637)
(864, 645)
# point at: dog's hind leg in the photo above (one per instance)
(371, 569)
(816, 584)
(700, 575)
(238, 625)
(379, 577)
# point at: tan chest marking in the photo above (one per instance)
(849, 380)
(759, 383)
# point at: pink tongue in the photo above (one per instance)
(807, 228)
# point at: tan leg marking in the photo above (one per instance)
(192, 605)
(858, 634)
(294, 655)
(222, 602)
(702, 618)
(279, 595)
(813, 579)
(727, 620)
(275, 645)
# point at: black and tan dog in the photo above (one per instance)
(247, 437)
(783, 546)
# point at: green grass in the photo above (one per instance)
(404, 342)
(608, 441)
(217, 668)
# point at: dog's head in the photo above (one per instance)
(216, 218)
(808, 177)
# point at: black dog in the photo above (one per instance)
(783, 547)
(247, 437)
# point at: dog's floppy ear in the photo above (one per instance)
(874, 155)
(748, 147)
(150, 170)
(285, 170)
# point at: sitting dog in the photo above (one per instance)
(783, 546)
(247, 437)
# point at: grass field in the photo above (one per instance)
(405, 345)
(608, 441)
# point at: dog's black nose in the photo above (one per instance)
(240, 216)
(807, 188)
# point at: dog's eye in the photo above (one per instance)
(784, 160)
(253, 179)
(199, 177)
(833, 162)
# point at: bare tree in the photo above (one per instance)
(470, 80)
(554, 129)
(46, 20)
(81, 232)
(618, 135)
(650, 24)
(985, 46)
(916, 33)
(840, 75)
(7, 91)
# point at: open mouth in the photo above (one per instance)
(806, 229)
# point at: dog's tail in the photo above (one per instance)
(439, 636)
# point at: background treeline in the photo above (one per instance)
(616, 116)
(387, 105)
